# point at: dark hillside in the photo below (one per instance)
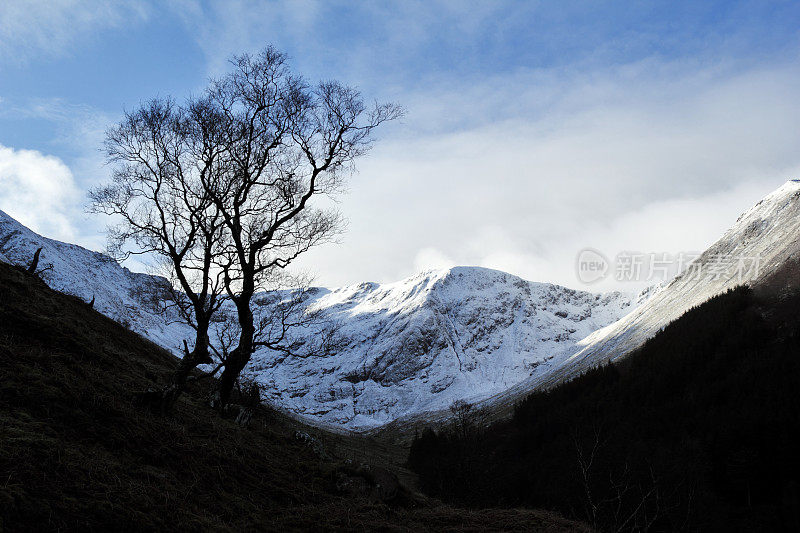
(78, 453)
(696, 431)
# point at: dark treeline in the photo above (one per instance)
(696, 431)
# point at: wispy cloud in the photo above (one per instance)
(223, 28)
(78, 130)
(31, 28)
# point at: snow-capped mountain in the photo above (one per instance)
(761, 240)
(419, 344)
(405, 348)
(415, 346)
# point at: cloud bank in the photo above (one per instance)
(655, 158)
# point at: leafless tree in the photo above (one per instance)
(161, 156)
(285, 325)
(627, 504)
(285, 142)
(34, 262)
(463, 418)
(586, 458)
(221, 189)
(33, 267)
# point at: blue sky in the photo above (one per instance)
(534, 129)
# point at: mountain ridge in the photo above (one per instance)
(770, 229)
(412, 345)
(408, 349)
(436, 337)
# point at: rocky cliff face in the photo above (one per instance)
(424, 342)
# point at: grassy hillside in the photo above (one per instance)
(78, 453)
(697, 431)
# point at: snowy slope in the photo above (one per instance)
(421, 343)
(769, 231)
(127, 297)
(409, 347)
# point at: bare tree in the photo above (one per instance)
(34, 262)
(161, 156)
(221, 190)
(285, 142)
(33, 267)
(463, 418)
(285, 324)
(622, 502)
(586, 459)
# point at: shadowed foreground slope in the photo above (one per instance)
(77, 452)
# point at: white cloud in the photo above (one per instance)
(431, 259)
(39, 191)
(78, 132)
(29, 28)
(672, 227)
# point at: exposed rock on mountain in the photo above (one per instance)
(424, 342)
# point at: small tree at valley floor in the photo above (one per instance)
(463, 421)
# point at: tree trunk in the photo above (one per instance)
(162, 401)
(239, 356)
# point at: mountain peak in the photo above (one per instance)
(421, 343)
